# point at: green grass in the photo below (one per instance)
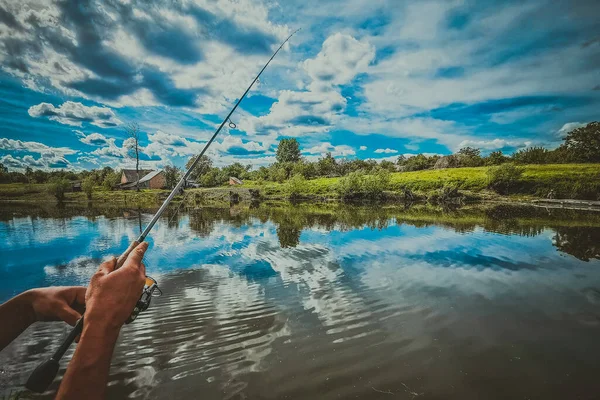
(567, 180)
(577, 181)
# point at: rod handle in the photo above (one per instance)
(41, 378)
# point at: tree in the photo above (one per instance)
(584, 142)
(288, 150)
(419, 162)
(87, 185)
(172, 176)
(58, 187)
(133, 146)
(327, 165)
(3, 169)
(532, 155)
(469, 157)
(29, 173)
(204, 165)
(495, 158)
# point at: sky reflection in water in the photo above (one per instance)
(320, 302)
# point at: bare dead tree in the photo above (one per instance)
(133, 145)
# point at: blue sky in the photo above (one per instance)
(368, 79)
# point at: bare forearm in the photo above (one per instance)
(87, 373)
(17, 315)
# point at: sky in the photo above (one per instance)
(361, 79)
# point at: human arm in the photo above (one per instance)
(110, 299)
(43, 304)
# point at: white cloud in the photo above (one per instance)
(363, 148)
(386, 151)
(340, 60)
(316, 110)
(195, 54)
(73, 113)
(34, 147)
(45, 162)
(568, 127)
(495, 144)
(326, 147)
(94, 139)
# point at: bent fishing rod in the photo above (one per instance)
(41, 378)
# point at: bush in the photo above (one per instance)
(350, 186)
(374, 185)
(532, 155)
(87, 185)
(296, 187)
(58, 187)
(357, 184)
(504, 178)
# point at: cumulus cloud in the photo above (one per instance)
(93, 48)
(72, 113)
(386, 151)
(317, 109)
(326, 147)
(94, 139)
(568, 127)
(495, 144)
(45, 161)
(34, 147)
(340, 60)
(363, 148)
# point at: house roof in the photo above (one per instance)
(150, 175)
(131, 176)
(236, 180)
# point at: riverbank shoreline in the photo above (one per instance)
(562, 182)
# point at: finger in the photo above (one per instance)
(123, 257)
(143, 268)
(108, 266)
(136, 255)
(69, 315)
(78, 294)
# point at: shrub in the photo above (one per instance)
(495, 158)
(532, 155)
(374, 185)
(296, 186)
(350, 186)
(504, 178)
(58, 187)
(87, 185)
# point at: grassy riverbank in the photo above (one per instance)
(566, 180)
(577, 181)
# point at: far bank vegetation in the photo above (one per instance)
(571, 170)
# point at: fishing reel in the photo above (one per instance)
(41, 377)
(143, 303)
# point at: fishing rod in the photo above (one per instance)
(41, 378)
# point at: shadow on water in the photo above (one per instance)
(329, 301)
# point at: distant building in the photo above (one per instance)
(129, 175)
(76, 186)
(149, 179)
(234, 181)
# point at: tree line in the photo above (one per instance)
(581, 145)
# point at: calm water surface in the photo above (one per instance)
(330, 302)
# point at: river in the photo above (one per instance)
(329, 302)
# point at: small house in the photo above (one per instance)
(130, 175)
(234, 181)
(76, 186)
(149, 180)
